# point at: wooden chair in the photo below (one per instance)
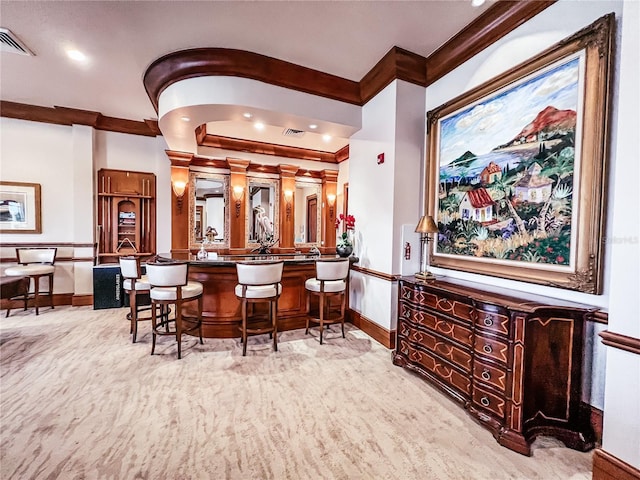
(134, 284)
(330, 281)
(35, 263)
(170, 286)
(259, 282)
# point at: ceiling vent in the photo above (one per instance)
(290, 132)
(11, 44)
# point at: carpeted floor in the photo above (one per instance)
(80, 401)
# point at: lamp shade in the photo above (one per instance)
(427, 225)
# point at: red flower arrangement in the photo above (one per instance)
(349, 222)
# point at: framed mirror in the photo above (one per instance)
(262, 211)
(208, 213)
(308, 215)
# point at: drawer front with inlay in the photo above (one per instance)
(490, 375)
(438, 345)
(491, 348)
(447, 374)
(489, 401)
(436, 323)
(493, 322)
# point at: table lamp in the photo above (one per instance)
(426, 226)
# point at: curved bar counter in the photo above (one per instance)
(221, 316)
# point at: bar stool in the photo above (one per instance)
(330, 281)
(259, 283)
(35, 263)
(134, 284)
(169, 285)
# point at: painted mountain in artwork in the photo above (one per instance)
(548, 121)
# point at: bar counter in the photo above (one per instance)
(221, 316)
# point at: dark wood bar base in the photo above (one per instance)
(514, 363)
(221, 314)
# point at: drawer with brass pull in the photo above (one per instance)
(489, 401)
(491, 347)
(491, 375)
(492, 321)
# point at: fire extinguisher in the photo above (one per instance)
(407, 251)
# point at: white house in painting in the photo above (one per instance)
(476, 205)
(533, 187)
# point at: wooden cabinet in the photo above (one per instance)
(514, 363)
(126, 214)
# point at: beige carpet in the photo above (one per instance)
(80, 401)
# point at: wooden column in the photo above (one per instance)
(238, 204)
(287, 207)
(329, 194)
(180, 209)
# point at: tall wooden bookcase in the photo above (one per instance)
(126, 214)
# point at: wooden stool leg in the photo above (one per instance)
(153, 325)
(321, 302)
(244, 328)
(200, 318)
(179, 328)
(306, 332)
(275, 323)
(134, 313)
(36, 295)
(51, 290)
(342, 309)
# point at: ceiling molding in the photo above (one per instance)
(263, 148)
(74, 116)
(342, 154)
(199, 62)
(498, 20)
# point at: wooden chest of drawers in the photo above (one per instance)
(515, 364)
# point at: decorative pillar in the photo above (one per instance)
(238, 204)
(329, 194)
(179, 200)
(287, 207)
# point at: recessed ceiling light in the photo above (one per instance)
(76, 55)
(247, 115)
(259, 126)
(185, 118)
(477, 3)
(313, 126)
(326, 138)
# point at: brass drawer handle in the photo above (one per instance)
(484, 401)
(488, 321)
(487, 349)
(486, 375)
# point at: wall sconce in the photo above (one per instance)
(331, 200)
(288, 196)
(426, 226)
(238, 191)
(179, 187)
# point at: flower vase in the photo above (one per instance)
(344, 250)
(202, 253)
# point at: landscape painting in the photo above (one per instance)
(516, 171)
(507, 172)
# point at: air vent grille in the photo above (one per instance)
(11, 44)
(290, 132)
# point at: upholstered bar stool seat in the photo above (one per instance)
(35, 263)
(259, 283)
(330, 281)
(169, 285)
(134, 284)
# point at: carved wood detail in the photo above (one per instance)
(623, 342)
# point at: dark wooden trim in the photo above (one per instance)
(374, 273)
(599, 316)
(397, 64)
(228, 143)
(623, 342)
(608, 467)
(342, 154)
(379, 334)
(595, 416)
(200, 62)
(71, 116)
(82, 300)
(496, 22)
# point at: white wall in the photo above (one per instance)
(621, 435)
(64, 161)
